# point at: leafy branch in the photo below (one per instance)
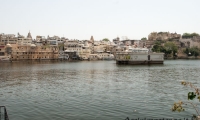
(191, 96)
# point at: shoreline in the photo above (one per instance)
(86, 60)
(184, 58)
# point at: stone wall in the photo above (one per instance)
(190, 42)
(163, 36)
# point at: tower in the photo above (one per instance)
(92, 41)
(29, 35)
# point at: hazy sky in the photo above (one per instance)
(79, 19)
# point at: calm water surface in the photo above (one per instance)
(95, 90)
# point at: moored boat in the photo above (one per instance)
(105, 56)
(4, 58)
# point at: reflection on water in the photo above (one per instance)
(98, 90)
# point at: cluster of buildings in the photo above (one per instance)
(59, 48)
(21, 47)
(176, 38)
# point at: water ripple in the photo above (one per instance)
(95, 90)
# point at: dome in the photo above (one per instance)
(33, 45)
(8, 45)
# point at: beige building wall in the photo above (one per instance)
(27, 52)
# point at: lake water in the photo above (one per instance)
(95, 90)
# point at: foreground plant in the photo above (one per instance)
(191, 96)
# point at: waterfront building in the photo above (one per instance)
(24, 40)
(100, 46)
(81, 48)
(24, 48)
(5, 52)
(8, 38)
(2, 49)
(102, 50)
(88, 49)
(33, 52)
(40, 40)
(53, 41)
(116, 40)
(73, 45)
(62, 40)
(12, 39)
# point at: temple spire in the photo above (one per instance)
(92, 47)
(92, 39)
(29, 35)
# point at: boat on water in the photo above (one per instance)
(109, 57)
(139, 56)
(105, 56)
(4, 58)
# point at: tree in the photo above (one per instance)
(191, 96)
(189, 35)
(158, 47)
(194, 34)
(193, 51)
(186, 35)
(144, 38)
(105, 39)
(170, 47)
(187, 51)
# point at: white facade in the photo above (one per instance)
(8, 38)
(82, 48)
(139, 56)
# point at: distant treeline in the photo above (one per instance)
(170, 48)
(189, 35)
